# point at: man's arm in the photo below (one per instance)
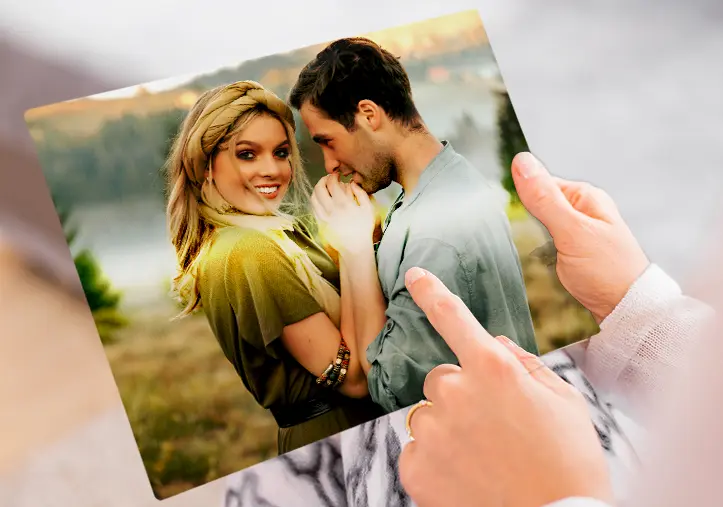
(408, 347)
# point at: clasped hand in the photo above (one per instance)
(345, 214)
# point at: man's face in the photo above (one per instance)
(358, 153)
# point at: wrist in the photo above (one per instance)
(356, 249)
(619, 295)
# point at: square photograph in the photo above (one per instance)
(242, 236)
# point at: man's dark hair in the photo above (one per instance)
(351, 70)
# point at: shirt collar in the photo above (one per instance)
(438, 163)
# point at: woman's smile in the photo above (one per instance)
(269, 192)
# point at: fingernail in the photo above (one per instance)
(528, 165)
(414, 274)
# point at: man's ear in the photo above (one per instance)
(370, 114)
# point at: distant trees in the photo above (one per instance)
(467, 134)
(511, 142)
(102, 299)
(122, 160)
(253, 70)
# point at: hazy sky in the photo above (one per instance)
(143, 40)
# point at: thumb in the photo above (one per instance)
(540, 194)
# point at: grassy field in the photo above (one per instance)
(192, 417)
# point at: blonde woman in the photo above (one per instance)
(248, 260)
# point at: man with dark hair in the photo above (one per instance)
(356, 100)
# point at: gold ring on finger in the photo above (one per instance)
(415, 407)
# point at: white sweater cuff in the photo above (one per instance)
(644, 340)
(621, 333)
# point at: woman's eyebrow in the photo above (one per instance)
(250, 143)
(257, 145)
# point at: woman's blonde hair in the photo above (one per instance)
(213, 124)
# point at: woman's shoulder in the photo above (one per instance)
(240, 247)
(238, 239)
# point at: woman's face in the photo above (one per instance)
(261, 157)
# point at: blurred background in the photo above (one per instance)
(622, 94)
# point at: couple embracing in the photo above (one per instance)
(304, 287)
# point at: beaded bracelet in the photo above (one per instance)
(335, 373)
(344, 368)
(333, 376)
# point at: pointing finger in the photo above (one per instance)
(448, 314)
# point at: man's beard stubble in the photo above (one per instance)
(382, 174)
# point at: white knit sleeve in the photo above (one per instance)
(644, 342)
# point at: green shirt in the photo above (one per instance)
(453, 226)
(249, 292)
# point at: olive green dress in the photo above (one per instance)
(250, 291)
